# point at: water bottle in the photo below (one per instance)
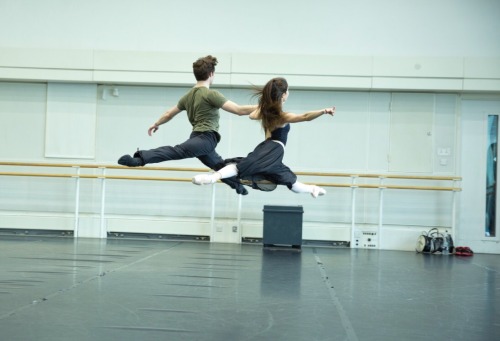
(446, 246)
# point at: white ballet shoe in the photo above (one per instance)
(204, 179)
(317, 191)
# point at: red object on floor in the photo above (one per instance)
(463, 251)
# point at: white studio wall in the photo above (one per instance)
(328, 44)
(323, 27)
(82, 82)
(70, 108)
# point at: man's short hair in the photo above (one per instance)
(203, 67)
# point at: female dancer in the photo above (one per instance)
(265, 162)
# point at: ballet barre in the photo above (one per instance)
(76, 174)
(162, 178)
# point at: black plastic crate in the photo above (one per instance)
(283, 226)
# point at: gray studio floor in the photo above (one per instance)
(61, 289)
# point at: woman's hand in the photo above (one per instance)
(329, 111)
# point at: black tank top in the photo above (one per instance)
(281, 133)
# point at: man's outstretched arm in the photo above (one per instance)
(240, 110)
(167, 116)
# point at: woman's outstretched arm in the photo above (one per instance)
(308, 116)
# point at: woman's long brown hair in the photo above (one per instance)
(270, 103)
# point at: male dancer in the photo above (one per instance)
(202, 105)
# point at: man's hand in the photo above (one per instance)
(152, 129)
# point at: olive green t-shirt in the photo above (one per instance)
(202, 106)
